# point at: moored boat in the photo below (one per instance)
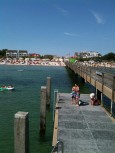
(2, 88)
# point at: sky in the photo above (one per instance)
(58, 27)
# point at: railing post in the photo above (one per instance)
(90, 73)
(86, 72)
(111, 111)
(55, 101)
(99, 94)
(81, 69)
(43, 110)
(48, 91)
(102, 89)
(112, 99)
(113, 89)
(95, 80)
(60, 147)
(21, 132)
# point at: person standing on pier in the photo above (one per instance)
(75, 94)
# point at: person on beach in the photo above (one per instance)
(93, 99)
(75, 94)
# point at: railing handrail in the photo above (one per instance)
(56, 146)
(100, 82)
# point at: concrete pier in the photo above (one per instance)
(85, 128)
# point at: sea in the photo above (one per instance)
(26, 97)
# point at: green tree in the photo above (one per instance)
(3, 53)
(109, 57)
(48, 57)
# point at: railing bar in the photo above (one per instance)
(58, 142)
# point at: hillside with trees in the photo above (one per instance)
(109, 57)
(3, 53)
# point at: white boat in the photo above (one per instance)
(6, 88)
(9, 88)
(19, 70)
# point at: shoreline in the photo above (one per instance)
(19, 64)
(62, 64)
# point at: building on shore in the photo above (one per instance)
(16, 53)
(87, 54)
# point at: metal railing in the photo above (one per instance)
(58, 147)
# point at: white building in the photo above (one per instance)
(16, 53)
(87, 54)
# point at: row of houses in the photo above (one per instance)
(16, 53)
(24, 53)
(87, 54)
(19, 54)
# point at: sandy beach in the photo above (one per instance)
(33, 63)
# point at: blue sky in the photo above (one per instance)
(58, 27)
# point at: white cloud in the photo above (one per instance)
(63, 11)
(71, 34)
(98, 17)
(106, 38)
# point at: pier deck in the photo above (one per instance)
(85, 128)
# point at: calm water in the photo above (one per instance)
(26, 97)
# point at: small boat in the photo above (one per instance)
(20, 70)
(6, 88)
